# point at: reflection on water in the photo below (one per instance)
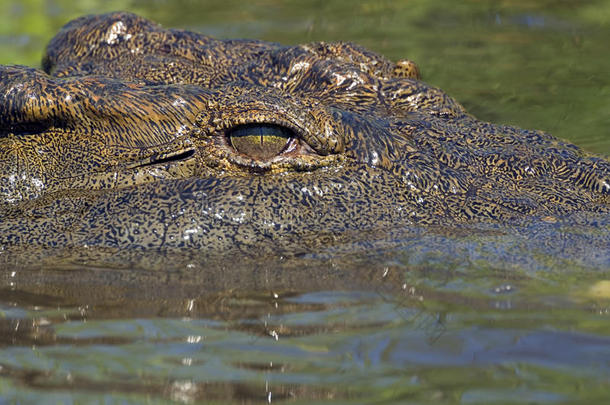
(432, 316)
(426, 316)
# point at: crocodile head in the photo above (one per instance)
(133, 136)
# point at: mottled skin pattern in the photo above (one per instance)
(123, 141)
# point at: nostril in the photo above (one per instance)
(407, 69)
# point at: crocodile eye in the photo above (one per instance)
(261, 141)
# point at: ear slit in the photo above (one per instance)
(173, 158)
(25, 128)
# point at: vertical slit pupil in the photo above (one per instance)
(260, 141)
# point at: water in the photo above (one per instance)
(427, 317)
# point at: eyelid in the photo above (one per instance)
(297, 156)
(318, 126)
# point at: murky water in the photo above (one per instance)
(428, 317)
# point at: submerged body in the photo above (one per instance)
(136, 137)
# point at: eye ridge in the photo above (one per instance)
(260, 141)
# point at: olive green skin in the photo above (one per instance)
(121, 142)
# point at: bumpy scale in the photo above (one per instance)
(135, 136)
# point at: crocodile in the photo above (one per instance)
(136, 137)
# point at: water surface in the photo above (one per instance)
(431, 316)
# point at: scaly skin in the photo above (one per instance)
(123, 141)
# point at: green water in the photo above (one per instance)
(534, 64)
(487, 320)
